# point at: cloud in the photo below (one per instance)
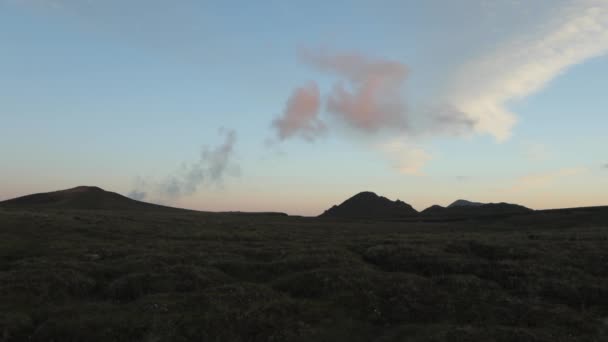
(407, 159)
(214, 164)
(605, 166)
(368, 92)
(137, 195)
(441, 120)
(368, 95)
(300, 116)
(514, 71)
(543, 180)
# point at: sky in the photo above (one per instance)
(294, 106)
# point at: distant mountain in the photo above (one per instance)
(82, 197)
(434, 210)
(505, 208)
(369, 205)
(465, 203)
(462, 209)
(254, 214)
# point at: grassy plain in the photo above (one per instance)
(69, 275)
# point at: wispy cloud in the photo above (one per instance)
(367, 96)
(138, 192)
(368, 93)
(543, 180)
(407, 159)
(214, 164)
(514, 71)
(300, 116)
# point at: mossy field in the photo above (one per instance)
(70, 275)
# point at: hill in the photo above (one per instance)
(369, 205)
(468, 210)
(80, 198)
(465, 203)
(434, 210)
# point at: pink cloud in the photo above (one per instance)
(301, 114)
(368, 95)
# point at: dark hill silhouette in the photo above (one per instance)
(369, 205)
(255, 214)
(475, 210)
(464, 203)
(434, 210)
(563, 217)
(80, 198)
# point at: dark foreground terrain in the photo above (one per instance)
(170, 275)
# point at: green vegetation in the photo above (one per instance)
(187, 276)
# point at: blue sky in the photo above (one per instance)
(295, 106)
